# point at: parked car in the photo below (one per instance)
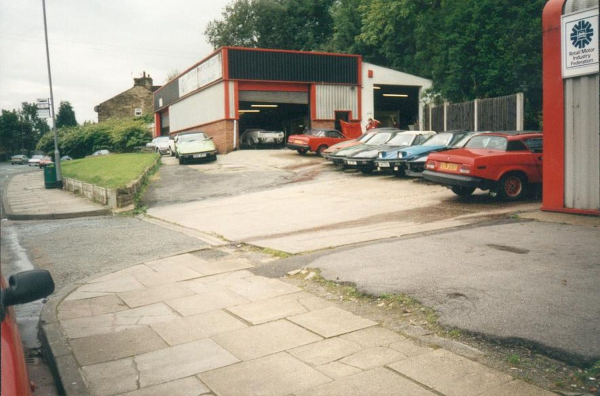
(35, 160)
(254, 138)
(318, 140)
(365, 160)
(416, 167)
(195, 146)
(160, 145)
(66, 158)
(47, 160)
(22, 288)
(19, 159)
(380, 138)
(348, 143)
(99, 153)
(395, 160)
(504, 164)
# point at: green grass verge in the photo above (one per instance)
(111, 171)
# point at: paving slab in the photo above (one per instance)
(126, 343)
(181, 361)
(373, 337)
(279, 374)
(90, 307)
(409, 348)
(221, 266)
(264, 311)
(375, 382)
(451, 374)
(180, 260)
(192, 328)
(190, 386)
(205, 302)
(332, 321)
(137, 298)
(136, 269)
(110, 378)
(266, 339)
(260, 288)
(124, 284)
(337, 370)
(175, 274)
(326, 351)
(373, 357)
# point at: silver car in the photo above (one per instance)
(257, 137)
(161, 145)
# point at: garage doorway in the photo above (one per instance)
(397, 106)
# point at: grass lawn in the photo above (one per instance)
(110, 171)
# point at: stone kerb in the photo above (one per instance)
(113, 198)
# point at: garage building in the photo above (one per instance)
(235, 89)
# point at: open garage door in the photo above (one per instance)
(287, 112)
(397, 105)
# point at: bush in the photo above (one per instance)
(116, 135)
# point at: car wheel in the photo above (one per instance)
(512, 187)
(301, 151)
(320, 150)
(462, 191)
(366, 171)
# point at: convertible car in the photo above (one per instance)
(253, 138)
(365, 160)
(504, 164)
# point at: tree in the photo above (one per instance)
(20, 130)
(65, 116)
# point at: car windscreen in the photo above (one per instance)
(379, 138)
(192, 138)
(441, 139)
(364, 138)
(401, 139)
(487, 142)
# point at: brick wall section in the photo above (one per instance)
(317, 124)
(124, 104)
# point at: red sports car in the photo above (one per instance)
(505, 164)
(318, 140)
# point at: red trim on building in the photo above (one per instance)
(225, 63)
(313, 102)
(360, 63)
(236, 100)
(253, 85)
(359, 93)
(553, 109)
(227, 113)
(156, 125)
(293, 52)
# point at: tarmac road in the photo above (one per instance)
(527, 281)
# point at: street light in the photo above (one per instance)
(56, 152)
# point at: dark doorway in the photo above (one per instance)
(289, 118)
(397, 105)
(343, 116)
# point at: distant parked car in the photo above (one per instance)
(349, 143)
(19, 159)
(257, 137)
(318, 140)
(66, 158)
(35, 160)
(379, 139)
(365, 160)
(47, 160)
(195, 146)
(99, 153)
(395, 160)
(504, 164)
(160, 145)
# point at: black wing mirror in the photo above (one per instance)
(26, 287)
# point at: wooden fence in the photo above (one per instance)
(504, 113)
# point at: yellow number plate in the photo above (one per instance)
(450, 167)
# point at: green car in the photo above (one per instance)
(195, 146)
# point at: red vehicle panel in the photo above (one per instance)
(317, 140)
(503, 164)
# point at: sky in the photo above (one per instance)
(97, 47)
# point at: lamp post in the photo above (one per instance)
(56, 152)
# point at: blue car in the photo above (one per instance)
(395, 160)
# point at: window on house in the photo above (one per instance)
(138, 112)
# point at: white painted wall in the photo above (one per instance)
(383, 75)
(200, 108)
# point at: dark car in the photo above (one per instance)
(395, 160)
(365, 160)
(22, 288)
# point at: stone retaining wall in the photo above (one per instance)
(113, 198)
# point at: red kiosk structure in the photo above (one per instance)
(571, 107)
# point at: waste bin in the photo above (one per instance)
(50, 176)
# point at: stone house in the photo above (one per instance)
(134, 102)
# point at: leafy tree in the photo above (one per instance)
(65, 116)
(21, 129)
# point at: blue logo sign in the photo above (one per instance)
(582, 34)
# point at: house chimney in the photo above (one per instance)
(143, 81)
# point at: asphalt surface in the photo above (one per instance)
(527, 282)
